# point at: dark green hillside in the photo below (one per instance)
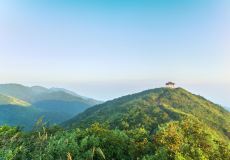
(70, 108)
(150, 108)
(18, 116)
(26, 117)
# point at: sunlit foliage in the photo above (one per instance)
(187, 139)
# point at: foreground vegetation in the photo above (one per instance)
(186, 139)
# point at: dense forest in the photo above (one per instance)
(182, 140)
(158, 124)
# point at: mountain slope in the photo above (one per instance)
(26, 117)
(55, 105)
(68, 108)
(15, 115)
(151, 108)
(4, 100)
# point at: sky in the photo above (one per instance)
(108, 48)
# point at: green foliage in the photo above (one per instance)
(186, 139)
(191, 139)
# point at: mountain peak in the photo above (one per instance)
(153, 107)
(12, 85)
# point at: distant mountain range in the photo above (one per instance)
(155, 107)
(23, 106)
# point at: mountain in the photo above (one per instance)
(151, 108)
(16, 115)
(89, 100)
(37, 93)
(157, 124)
(21, 92)
(55, 105)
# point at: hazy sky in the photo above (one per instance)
(108, 48)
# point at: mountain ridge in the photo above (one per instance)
(55, 105)
(153, 107)
(30, 93)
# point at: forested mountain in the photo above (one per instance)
(54, 105)
(157, 124)
(151, 108)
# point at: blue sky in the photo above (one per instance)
(108, 48)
